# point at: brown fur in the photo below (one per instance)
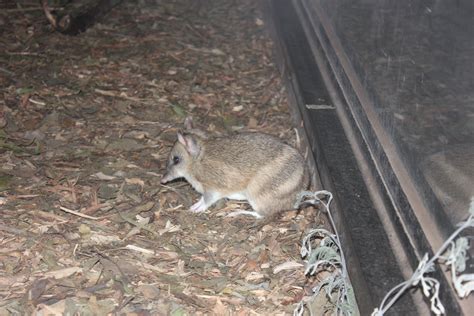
(266, 171)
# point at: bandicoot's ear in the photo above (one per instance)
(190, 143)
(181, 139)
(188, 123)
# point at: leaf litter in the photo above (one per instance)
(86, 125)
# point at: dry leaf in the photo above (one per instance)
(63, 273)
(289, 265)
(253, 123)
(103, 176)
(56, 309)
(219, 308)
(138, 181)
(253, 276)
(149, 291)
(237, 108)
(98, 239)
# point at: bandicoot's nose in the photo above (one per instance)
(165, 178)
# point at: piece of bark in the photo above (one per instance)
(77, 16)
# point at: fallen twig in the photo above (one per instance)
(62, 208)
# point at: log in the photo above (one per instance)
(77, 16)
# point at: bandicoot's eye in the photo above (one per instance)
(176, 160)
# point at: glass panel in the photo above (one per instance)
(416, 60)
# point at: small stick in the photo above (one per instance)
(47, 12)
(94, 208)
(77, 213)
(36, 102)
(26, 196)
(22, 9)
(24, 54)
(140, 249)
(8, 72)
(138, 225)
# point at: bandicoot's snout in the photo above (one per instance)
(169, 176)
(166, 178)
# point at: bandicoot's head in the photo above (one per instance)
(181, 157)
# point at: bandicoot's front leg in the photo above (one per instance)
(206, 200)
(199, 206)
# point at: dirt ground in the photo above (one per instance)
(86, 124)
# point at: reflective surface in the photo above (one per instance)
(416, 60)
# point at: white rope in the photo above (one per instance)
(316, 200)
(328, 255)
(456, 258)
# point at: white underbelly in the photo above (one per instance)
(237, 196)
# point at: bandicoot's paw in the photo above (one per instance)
(199, 206)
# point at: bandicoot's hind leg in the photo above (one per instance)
(270, 193)
(268, 206)
(265, 211)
